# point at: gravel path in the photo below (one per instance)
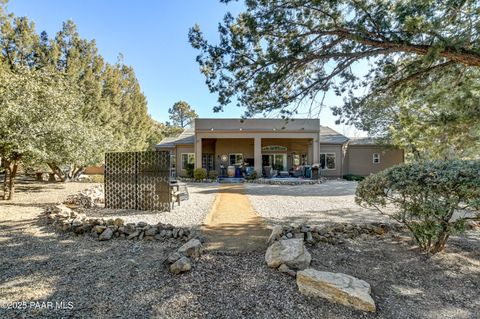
(190, 213)
(329, 202)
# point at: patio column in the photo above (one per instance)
(316, 151)
(198, 153)
(257, 156)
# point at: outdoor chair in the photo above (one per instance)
(179, 193)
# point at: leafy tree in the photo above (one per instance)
(159, 131)
(78, 106)
(277, 54)
(182, 114)
(424, 196)
(430, 120)
(38, 117)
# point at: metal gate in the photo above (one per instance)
(138, 180)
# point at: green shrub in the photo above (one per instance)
(189, 169)
(200, 174)
(252, 176)
(424, 197)
(351, 177)
(212, 174)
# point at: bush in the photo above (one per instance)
(424, 197)
(355, 178)
(200, 174)
(212, 175)
(252, 176)
(189, 170)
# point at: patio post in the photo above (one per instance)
(257, 156)
(198, 153)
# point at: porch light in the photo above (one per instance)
(274, 129)
(211, 129)
(240, 129)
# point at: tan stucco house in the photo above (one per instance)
(276, 145)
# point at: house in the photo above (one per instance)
(283, 146)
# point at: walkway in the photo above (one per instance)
(233, 224)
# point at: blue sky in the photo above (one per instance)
(152, 35)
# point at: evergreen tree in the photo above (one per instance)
(182, 114)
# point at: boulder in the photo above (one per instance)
(106, 235)
(181, 265)
(192, 248)
(290, 252)
(99, 229)
(118, 222)
(276, 234)
(336, 287)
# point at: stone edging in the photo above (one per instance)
(65, 219)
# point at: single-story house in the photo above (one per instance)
(283, 146)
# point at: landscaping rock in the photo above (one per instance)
(290, 252)
(181, 265)
(275, 235)
(284, 268)
(106, 235)
(100, 229)
(192, 248)
(336, 287)
(174, 257)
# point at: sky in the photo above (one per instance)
(152, 36)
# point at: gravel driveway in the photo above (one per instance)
(329, 202)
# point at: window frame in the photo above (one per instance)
(377, 157)
(188, 157)
(235, 154)
(334, 161)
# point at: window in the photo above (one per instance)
(327, 160)
(236, 159)
(187, 158)
(296, 159)
(271, 148)
(376, 158)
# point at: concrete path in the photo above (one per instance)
(233, 224)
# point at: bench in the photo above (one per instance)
(179, 193)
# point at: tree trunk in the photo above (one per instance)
(56, 171)
(11, 184)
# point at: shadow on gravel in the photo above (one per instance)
(121, 278)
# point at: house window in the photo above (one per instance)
(376, 158)
(187, 158)
(327, 160)
(236, 159)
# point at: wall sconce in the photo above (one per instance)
(211, 129)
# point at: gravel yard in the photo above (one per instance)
(122, 278)
(190, 213)
(329, 202)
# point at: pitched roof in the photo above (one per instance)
(186, 137)
(330, 136)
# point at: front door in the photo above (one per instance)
(276, 161)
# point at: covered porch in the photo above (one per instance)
(237, 156)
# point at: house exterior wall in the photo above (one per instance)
(232, 146)
(178, 155)
(360, 159)
(337, 150)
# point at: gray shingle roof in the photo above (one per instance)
(329, 136)
(186, 137)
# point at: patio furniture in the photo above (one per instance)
(297, 171)
(308, 171)
(179, 192)
(267, 171)
(283, 174)
(231, 171)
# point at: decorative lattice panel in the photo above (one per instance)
(137, 180)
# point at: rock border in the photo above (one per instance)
(65, 219)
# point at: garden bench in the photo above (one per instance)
(179, 193)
